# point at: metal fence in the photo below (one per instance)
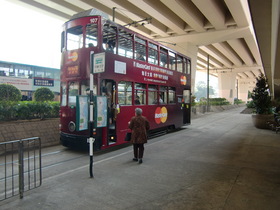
(20, 167)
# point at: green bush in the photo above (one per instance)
(193, 100)
(28, 110)
(238, 101)
(8, 110)
(11, 108)
(218, 101)
(9, 93)
(24, 110)
(213, 101)
(55, 109)
(250, 104)
(43, 94)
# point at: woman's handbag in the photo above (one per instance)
(127, 137)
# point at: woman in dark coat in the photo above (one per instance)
(139, 126)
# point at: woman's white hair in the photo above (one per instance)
(138, 111)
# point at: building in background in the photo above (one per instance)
(28, 78)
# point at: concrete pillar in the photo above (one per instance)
(245, 85)
(227, 85)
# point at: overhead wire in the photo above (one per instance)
(133, 22)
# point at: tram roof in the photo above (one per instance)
(90, 12)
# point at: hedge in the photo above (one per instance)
(213, 101)
(25, 110)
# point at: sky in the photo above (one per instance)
(28, 36)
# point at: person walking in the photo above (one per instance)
(139, 126)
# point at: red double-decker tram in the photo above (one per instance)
(134, 72)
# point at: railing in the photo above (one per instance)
(20, 167)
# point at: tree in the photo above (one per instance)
(9, 93)
(261, 97)
(201, 90)
(43, 94)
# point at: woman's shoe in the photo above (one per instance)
(135, 159)
(140, 161)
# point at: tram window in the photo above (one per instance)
(62, 41)
(171, 95)
(91, 35)
(172, 60)
(85, 88)
(139, 94)
(109, 37)
(125, 44)
(125, 93)
(187, 96)
(152, 94)
(140, 49)
(188, 66)
(163, 95)
(63, 93)
(73, 91)
(163, 57)
(75, 38)
(180, 64)
(185, 65)
(153, 54)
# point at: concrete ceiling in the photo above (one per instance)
(221, 29)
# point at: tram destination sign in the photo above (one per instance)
(99, 63)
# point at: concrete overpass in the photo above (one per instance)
(222, 31)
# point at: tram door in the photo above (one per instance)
(109, 90)
(187, 107)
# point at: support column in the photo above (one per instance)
(227, 85)
(245, 85)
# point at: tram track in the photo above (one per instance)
(96, 154)
(60, 157)
(61, 162)
(46, 161)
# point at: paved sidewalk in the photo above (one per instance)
(220, 161)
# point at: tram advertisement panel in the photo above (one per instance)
(82, 113)
(153, 73)
(101, 111)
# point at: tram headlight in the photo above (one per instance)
(71, 126)
(94, 131)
